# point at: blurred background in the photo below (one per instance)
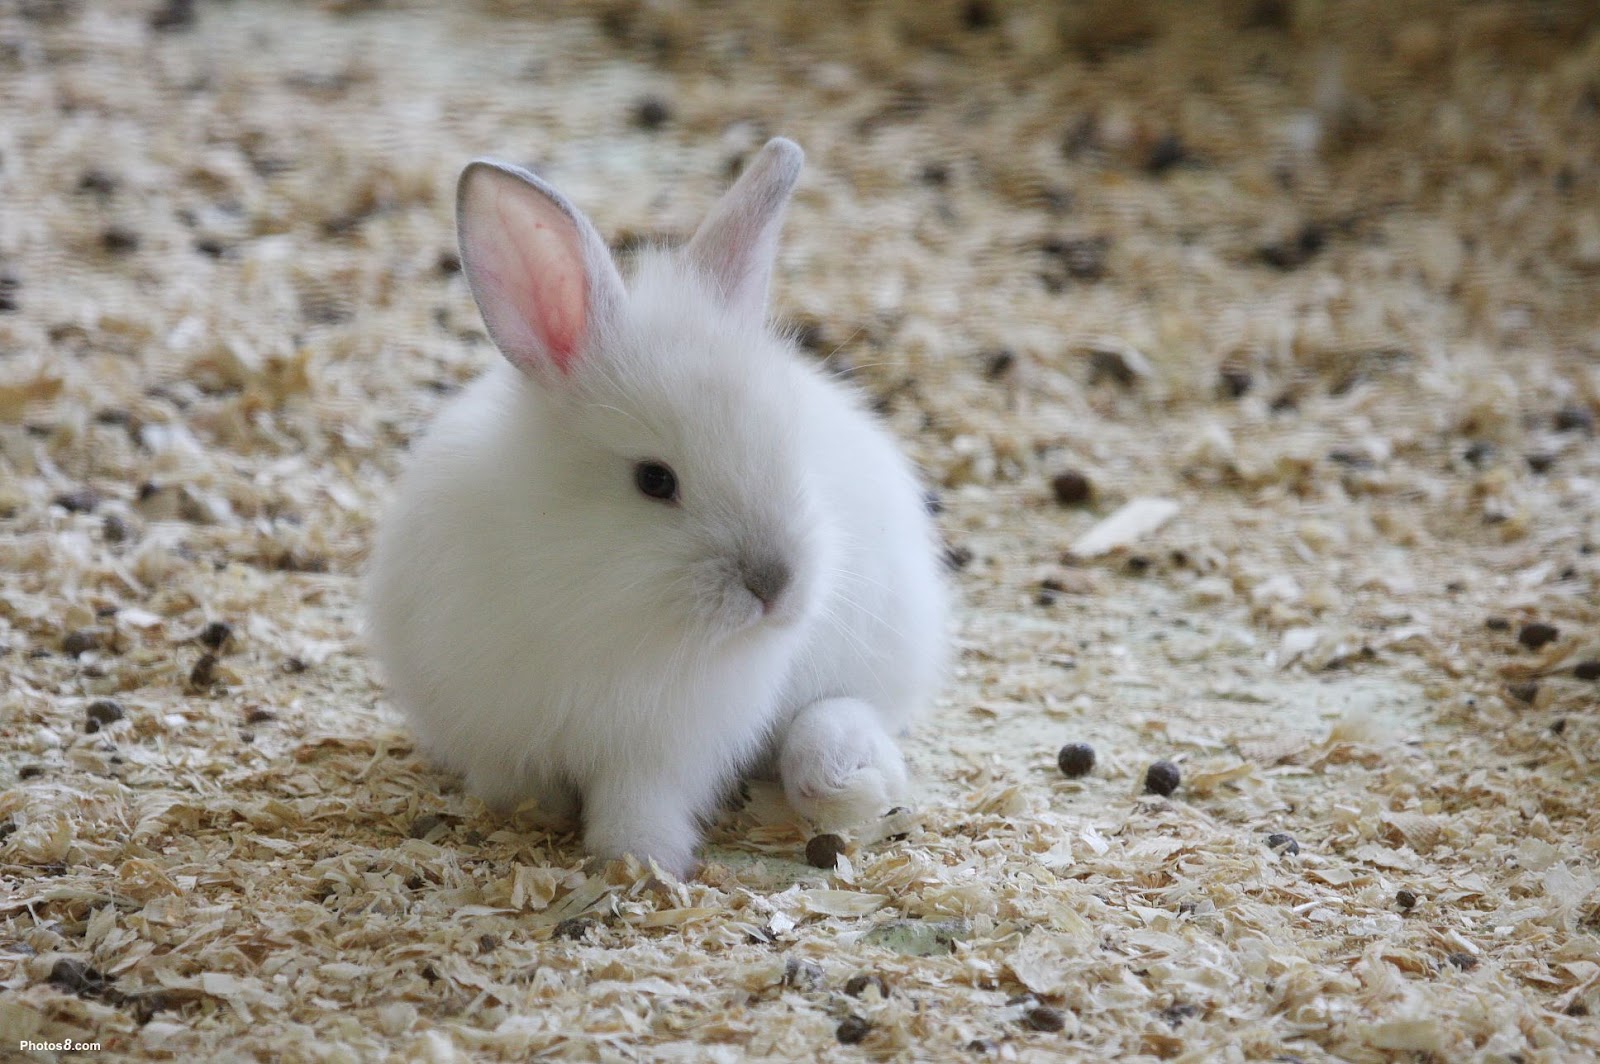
(212, 207)
(1279, 187)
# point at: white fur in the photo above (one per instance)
(554, 634)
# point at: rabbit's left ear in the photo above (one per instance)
(736, 244)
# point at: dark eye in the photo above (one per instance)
(656, 480)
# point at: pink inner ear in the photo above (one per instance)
(527, 253)
(556, 293)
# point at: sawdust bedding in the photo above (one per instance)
(1311, 286)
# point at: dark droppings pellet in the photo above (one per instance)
(1587, 670)
(998, 363)
(76, 977)
(1538, 634)
(81, 501)
(204, 673)
(80, 641)
(651, 113)
(857, 985)
(1525, 692)
(572, 930)
(1282, 844)
(852, 1030)
(1071, 488)
(115, 529)
(1044, 1018)
(979, 15)
(1574, 419)
(1165, 154)
(1295, 251)
(1405, 899)
(1080, 258)
(1176, 1013)
(215, 634)
(1234, 382)
(98, 182)
(956, 558)
(172, 15)
(1540, 462)
(1350, 459)
(100, 713)
(1162, 778)
(1107, 364)
(809, 336)
(823, 851)
(119, 240)
(1464, 961)
(1269, 15)
(1497, 624)
(1075, 760)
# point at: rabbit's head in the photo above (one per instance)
(669, 436)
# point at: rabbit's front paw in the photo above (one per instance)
(652, 824)
(839, 767)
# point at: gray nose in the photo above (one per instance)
(766, 580)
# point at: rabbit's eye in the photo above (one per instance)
(656, 480)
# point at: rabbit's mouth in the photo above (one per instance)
(740, 595)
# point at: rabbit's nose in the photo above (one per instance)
(766, 580)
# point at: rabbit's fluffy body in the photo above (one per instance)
(553, 633)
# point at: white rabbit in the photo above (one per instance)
(654, 547)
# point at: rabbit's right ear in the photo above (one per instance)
(543, 279)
